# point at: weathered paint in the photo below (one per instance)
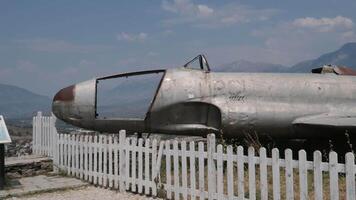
(65, 94)
(190, 101)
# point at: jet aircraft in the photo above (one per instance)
(192, 100)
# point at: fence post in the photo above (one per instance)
(211, 166)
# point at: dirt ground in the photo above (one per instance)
(87, 193)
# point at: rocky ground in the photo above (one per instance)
(21, 144)
(87, 193)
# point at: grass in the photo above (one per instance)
(326, 188)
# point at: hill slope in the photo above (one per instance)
(248, 66)
(16, 102)
(345, 56)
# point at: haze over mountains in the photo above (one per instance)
(16, 102)
(345, 56)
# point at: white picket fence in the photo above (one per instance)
(44, 135)
(180, 170)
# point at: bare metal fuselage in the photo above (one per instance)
(196, 102)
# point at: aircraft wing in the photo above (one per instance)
(341, 120)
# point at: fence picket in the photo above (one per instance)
(140, 165)
(201, 170)
(81, 146)
(60, 150)
(350, 176)
(230, 172)
(116, 164)
(211, 166)
(184, 169)
(127, 161)
(100, 160)
(192, 170)
(77, 156)
(153, 167)
(240, 173)
(122, 146)
(90, 154)
(95, 174)
(65, 148)
(334, 176)
(303, 175)
(133, 171)
(34, 135)
(276, 175)
(220, 172)
(110, 163)
(176, 169)
(147, 169)
(251, 173)
(289, 174)
(86, 155)
(71, 157)
(105, 161)
(168, 170)
(318, 176)
(263, 174)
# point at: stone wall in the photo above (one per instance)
(25, 166)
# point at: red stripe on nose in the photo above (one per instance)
(65, 94)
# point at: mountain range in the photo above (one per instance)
(345, 56)
(16, 102)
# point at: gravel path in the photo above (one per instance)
(87, 193)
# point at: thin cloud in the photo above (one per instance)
(300, 39)
(324, 24)
(123, 36)
(59, 46)
(202, 15)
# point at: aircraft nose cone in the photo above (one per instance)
(61, 100)
(65, 94)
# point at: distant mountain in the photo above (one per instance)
(16, 102)
(345, 56)
(248, 66)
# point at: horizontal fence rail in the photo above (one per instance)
(188, 170)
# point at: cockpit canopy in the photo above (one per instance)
(199, 62)
(125, 96)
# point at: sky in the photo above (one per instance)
(47, 45)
